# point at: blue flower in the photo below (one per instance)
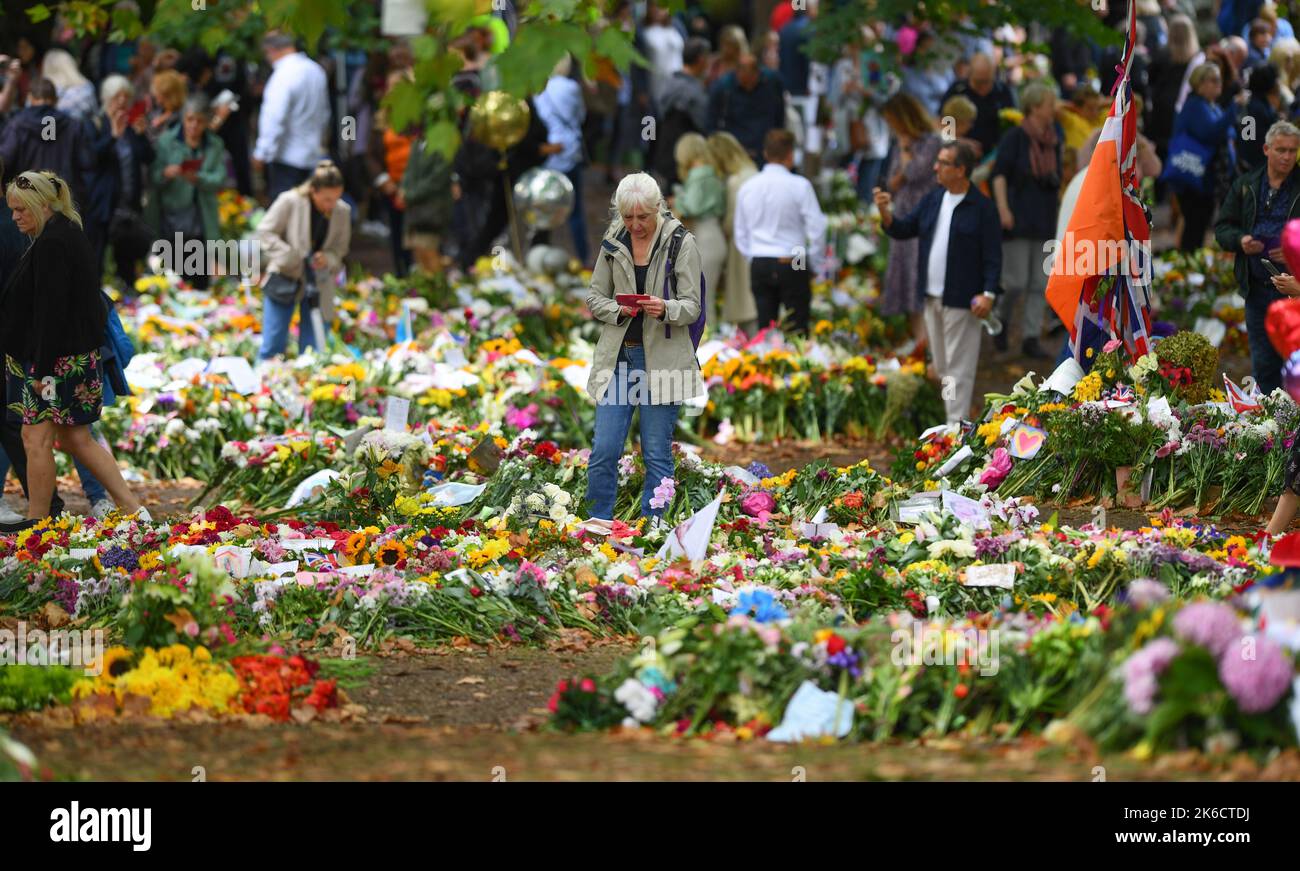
(759, 470)
(760, 605)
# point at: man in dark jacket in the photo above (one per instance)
(1250, 224)
(747, 103)
(960, 262)
(683, 108)
(990, 96)
(42, 137)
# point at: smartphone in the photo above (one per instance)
(1268, 264)
(631, 299)
(191, 165)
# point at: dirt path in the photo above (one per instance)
(475, 716)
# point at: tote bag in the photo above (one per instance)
(1188, 166)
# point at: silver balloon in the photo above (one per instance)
(543, 198)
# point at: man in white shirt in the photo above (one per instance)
(960, 262)
(294, 116)
(780, 230)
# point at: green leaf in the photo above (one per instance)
(38, 13)
(443, 136)
(455, 13)
(213, 39)
(527, 63)
(616, 45)
(405, 103)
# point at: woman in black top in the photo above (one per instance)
(53, 318)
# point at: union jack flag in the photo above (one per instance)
(1238, 398)
(320, 562)
(1122, 393)
(1110, 218)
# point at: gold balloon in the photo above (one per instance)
(498, 119)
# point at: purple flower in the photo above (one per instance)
(117, 557)
(1257, 683)
(1145, 592)
(759, 470)
(1211, 625)
(1142, 670)
(990, 547)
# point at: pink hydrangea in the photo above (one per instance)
(1212, 625)
(1142, 670)
(1258, 682)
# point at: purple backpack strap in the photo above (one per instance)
(670, 274)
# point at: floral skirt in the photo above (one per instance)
(72, 396)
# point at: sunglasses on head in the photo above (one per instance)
(24, 183)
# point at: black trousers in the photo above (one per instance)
(776, 284)
(11, 439)
(1198, 212)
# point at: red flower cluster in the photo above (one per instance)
(546, 450)
(916, 602)
(1177, 376)
(272, 685)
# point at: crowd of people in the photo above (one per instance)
(972, 146)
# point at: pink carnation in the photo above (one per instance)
(1256, 684)
(1212, 625)
(997, 470)
(758, 504)
(1143, 669)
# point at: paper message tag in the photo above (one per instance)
(966, 510)
(360, 571)
(999, 575)
(1213, 329)
(396, 409)
(235, 561)
(963, 454)
(915, 508)
(82, 552)
(1026, 441)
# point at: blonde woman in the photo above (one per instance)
(305, 235)
(909, 177)
(644, 359)
(738, 306)
(1285, 55)
(732, 43)
(701, 203)
(169, 92)
(76, 93)
(54, 320)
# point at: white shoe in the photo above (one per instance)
(8, 515)
(102, 508)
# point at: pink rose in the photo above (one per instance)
(997, 470)
(758, 504)
(1112, 345)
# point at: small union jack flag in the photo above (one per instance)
(1122, 393)
(320, 562)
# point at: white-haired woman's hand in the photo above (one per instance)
(654, 306)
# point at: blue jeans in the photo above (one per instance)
(89, 483)
(276, 317)
(1264, 359)
(613, 420)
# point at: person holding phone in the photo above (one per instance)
(645, 358)
(1251, 220)
(189, 170)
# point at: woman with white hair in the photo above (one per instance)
(645, 358)
(76, 93)
(121, 150)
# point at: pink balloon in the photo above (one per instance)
(1291, 245)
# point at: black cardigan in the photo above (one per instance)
(52, 306)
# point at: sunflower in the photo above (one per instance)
(356, 543)
(390, 553)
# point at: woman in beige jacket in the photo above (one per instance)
(304, 236)
(737, 297)
(645, 358)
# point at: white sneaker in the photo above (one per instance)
(8, 515)
(102, 508)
